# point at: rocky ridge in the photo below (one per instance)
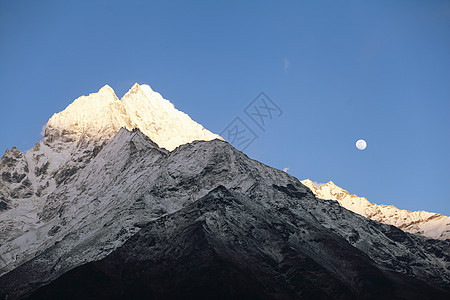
(424, 223)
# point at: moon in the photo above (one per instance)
(361, 144)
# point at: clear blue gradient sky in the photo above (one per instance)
(340, 71)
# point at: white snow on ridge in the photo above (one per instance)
(432, 225)
(99, 116)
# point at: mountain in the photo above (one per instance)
(122, 216)
(72, 139)
(432, 225)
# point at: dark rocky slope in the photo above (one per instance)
(225, 246)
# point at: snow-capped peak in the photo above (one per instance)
(146, 88)
(418, 222)
(99, 116)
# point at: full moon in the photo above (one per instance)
(361, 144)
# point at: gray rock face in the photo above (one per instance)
(13, 177)
(140, 218)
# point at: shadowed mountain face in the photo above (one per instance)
(225, 246)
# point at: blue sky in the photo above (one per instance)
(339, 70)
